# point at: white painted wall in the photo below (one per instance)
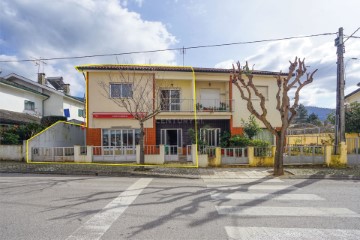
(13, 99)
(59, 135)
(11, 152)
(74, 107)
(53, 105)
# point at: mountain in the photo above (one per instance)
(321, 112)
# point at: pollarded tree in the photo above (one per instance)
(139, 95)
(242, 78)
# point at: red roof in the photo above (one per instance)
(164, 68)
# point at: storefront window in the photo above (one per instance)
(120, 137)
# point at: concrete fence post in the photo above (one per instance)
(343, 153)
(252, 162)
(327, 153)
(162, 154)
(193, 153)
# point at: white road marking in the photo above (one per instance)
(242, 180)
(261, 233)
(286, 211)
(96, 226)
(266, 196)
(252, 187)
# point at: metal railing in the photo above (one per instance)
(151, 149)
(52, 154)
(297, 154)
(187, 105)
(210, 151)
(262, 152)
(112, 151)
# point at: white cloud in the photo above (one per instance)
(318, 55)
(34, 29)
(225, 64)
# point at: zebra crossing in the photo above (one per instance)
(270, 199)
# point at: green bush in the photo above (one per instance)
(225, 139)
(50, 120)
(259, 143)
(10, 138)
(239, 141)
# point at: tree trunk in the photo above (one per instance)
(279, 154)
(142, 156)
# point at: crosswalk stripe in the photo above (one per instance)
(96, 226)
(260, 233)
(267, 196)
(223, 187)
(242, 180)
(286, 211)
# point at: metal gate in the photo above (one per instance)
(304, 155)
(353, 151)
(114, 154)
(234, 156)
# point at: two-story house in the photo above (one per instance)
(37, 99)
(205, 95)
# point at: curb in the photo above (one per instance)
(109, 174)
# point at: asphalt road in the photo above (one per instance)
(63, 207)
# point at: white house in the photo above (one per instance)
(46, 97)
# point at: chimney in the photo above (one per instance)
(41, 78)
(66, 88)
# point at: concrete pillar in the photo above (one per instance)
(252, 162)
(327, 153)
(194, 154)
(343, 153)
(78, 157)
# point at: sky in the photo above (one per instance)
(46, 29)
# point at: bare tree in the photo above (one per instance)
(286, 107)
(141, 99)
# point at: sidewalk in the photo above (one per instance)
(191, 173)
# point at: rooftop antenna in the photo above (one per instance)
(183, 52)
(39, 62)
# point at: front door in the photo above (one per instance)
(172, 139)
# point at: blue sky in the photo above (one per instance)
(45, 28)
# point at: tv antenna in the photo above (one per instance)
(40, 63)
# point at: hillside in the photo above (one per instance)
(321, 112)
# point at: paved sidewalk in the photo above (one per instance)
(235, 173)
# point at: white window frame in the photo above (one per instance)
(28, 103)
(119, 132)
(163, 136)
(213, 140)
(121, 95)
(171, 104)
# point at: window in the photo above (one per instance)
(120, 137)
(121, 90)
(211, 136)
(170, 100)
(263, 90)
(81, 113)
(29, 105)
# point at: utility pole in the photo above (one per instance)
(340, 111)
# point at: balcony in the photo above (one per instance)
(203, 105)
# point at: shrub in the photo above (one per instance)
(239, 141)
(50, 120)
(259, 143)
(10, 138)
(225, 139)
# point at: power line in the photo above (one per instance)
(352, 34)
(172, 49)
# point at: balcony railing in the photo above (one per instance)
(204, 105)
